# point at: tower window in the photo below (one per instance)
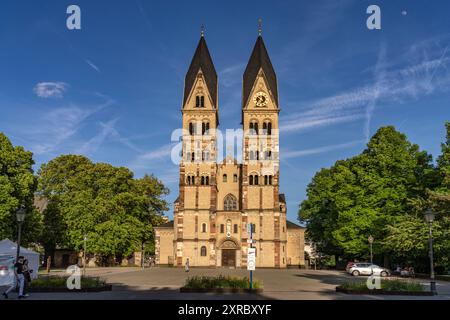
(204, 180)
(203, 227)
(199, 101)
(255, 180)
(267, 128)
(192, 156)
(203, 251)
(268, 180)
(253, 127)
(235, 228)
(224, 178)
(230, 203)
(222, 228)
(250, 180)
(191, 128)
(235, 178)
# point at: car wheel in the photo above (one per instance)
(355, 273)
(383, 274)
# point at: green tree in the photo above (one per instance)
(363, 195)
(115, 211)
(17, 187)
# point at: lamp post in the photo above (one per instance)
(20, 217)
(370, 239)
(84, 255)
(429, 218)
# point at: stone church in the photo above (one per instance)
(219, 201)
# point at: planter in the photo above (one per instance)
(64, 289)
(385, 292)
(220, 290)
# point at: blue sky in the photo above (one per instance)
(113, 90)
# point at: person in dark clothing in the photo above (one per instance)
(19, 279)
(27, 275)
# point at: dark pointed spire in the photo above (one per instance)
(201, 61)
(259, 60)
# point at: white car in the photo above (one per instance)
(367, 269)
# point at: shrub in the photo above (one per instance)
(61, 282)
(386, 284)
(202, 282)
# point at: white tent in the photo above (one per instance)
(9, 248)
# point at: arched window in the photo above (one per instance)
(202, 181)
(203, 227)
(266, 180)
(235, 178)
(191, 128)
(207, 180)
(224, 178)
(269, 128)
(256, 180)
(230, 203)
(270, 180)
(250, 180)
(253, 126)
(202, 101)
(203, 251)
(199, 101)
(192, 156)
(265, 128)
(189, 180)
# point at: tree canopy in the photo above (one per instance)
(107, 204)
(17, 187)
(381, 192)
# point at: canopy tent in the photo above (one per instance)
(9, 248)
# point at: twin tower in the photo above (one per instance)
(218, 202)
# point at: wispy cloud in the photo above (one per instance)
(50, 89)
(232, 75)
(92, 65)
(397, 84)
(57, 126)
(92, 145)
(307, 152)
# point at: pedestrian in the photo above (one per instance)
(27, 275)
(186, 266)
(19, 278)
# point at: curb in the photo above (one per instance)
(221, 290)
(385, 292)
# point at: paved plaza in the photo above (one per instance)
(164, 283)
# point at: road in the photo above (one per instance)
(164, 283)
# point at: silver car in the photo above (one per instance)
(367, 269)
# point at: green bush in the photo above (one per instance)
(202, 282)
(387, 285)
(61, 282)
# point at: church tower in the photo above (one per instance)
(198, 165)
(260, 109)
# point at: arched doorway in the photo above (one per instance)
(229, 249)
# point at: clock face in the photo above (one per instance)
(260, 99)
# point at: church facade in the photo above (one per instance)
(220, 202)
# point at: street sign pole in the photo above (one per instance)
(251, 246)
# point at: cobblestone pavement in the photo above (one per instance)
(164, 283)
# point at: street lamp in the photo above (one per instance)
(429, 218)
(20, 217)
(370, 239)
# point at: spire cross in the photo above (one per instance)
(202, 30)
(259, 26)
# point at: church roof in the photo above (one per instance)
(166, 225)
(259, 60)
(291, 225)
(201, 60)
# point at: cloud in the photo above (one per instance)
(50, 89)
(92, 65)
(92, 145)
(301, 153)
(397, 84)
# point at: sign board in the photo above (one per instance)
(251, 259)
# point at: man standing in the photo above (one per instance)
(19, 278)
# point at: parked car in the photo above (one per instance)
(349, 265)
(367, 269)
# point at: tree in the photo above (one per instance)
(17, 186)
(115, 211)
(363, 195)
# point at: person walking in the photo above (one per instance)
(27, 276)
(186, 266)
(19, 279)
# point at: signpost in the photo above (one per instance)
(251, 254)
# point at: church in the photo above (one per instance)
(221, 203)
